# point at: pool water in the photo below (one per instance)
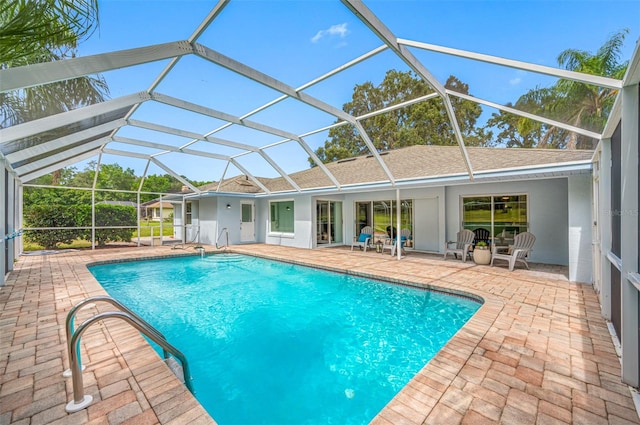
(275, 343)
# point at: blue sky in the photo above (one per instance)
(297, 41)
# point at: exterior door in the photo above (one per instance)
(328, 222)
(247, 222)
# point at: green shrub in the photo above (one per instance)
(108, 215)
(78, 216)
(50, 216)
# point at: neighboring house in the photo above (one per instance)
(546, 192)
(156, 211)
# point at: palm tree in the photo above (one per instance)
(34, 31)
(30, 30)
(581, 105)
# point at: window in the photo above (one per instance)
(502, 216)
(187, 213)
(281, 217)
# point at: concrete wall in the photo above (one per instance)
(548, 213)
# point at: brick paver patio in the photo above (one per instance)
(537, 352)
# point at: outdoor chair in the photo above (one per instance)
(481, 235)
(463, 243)
(522, 245)
(405, 234)
(363, 240)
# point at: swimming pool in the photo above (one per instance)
(277, 343)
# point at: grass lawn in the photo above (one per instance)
(146, 228)
(77, 244)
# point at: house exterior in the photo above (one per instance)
(546, 192)
(157, 210)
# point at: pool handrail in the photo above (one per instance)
(69, 322)
(226, 232)
(80, 401)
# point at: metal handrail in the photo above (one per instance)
(69, 322)
(225, 231)
(80, 400)
(184, 237)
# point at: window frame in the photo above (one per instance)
(496, 198)
(188, 213)
(273, 232)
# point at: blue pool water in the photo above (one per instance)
(276, 343)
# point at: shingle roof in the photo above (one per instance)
(413, 162)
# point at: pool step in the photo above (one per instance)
(224, 258)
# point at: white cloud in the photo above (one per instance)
(515, 81)
(339, 30)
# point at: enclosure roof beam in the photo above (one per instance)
(580, 77)
(203, 110)
(62, 142)
(30, 128)
(56, 160)
(50, 72)
(175, 175)
(255, 75)
(58, 165)
(363, 13)
(251, 176)
(162, 146)
(280, 170)
(528, 115)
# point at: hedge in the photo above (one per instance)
(78, 216)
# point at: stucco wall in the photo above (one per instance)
(302, 238)
(436, 217)
(548, 213)
(580, 229)
(207, 219)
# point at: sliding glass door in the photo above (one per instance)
(328, 222)
(382, 216)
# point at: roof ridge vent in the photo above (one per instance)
(380, 153)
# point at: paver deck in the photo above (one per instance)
(538, 351)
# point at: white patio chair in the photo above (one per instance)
(522, 245)
(363, 240)
(464, 241)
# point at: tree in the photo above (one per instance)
(35, 31)
(581, 105)
(30, 29)
(516, 131)
(422, 123)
